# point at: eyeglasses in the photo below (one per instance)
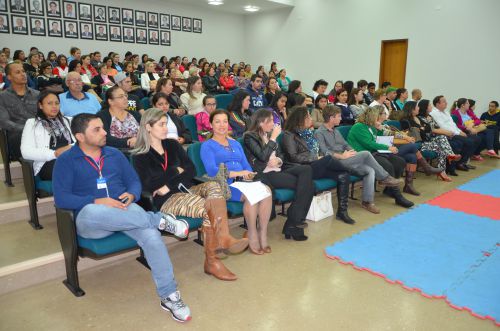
(211, 104)
(121, 96)
(79, 81)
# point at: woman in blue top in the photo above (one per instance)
(221, 149)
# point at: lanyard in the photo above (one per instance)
(99, 166)
(164, 165)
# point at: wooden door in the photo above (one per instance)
(393, 62)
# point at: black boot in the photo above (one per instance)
(343, 198)
(400, 199)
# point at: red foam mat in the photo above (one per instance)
(470, 203)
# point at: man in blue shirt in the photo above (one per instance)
(100, 186)
(75, 101)
(257, 99)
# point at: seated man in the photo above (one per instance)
(17, 104)
(100, 186)
(257, 99)
(459, 141)
(75, 101)
(361, 163)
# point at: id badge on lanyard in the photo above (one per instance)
(101, 181)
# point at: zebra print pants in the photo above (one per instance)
(441, 146)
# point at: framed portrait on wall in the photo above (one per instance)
(84, 12)
(115, 33)
(69, 9)
(86, 30)
(165, 38)
(19, 24)
(141, 36)
(127, 16)
(186, 24)
(4, 23)
(100, 13)
(165, 21)
(3, 5)
(176, 22)
(197, 25)
(152, 20)
(18, 7)
(36, 7)
(140, 18)
(54, 26)
(70, 29)
(53, 8)
(37, 26)
(101, 31)
(114, 15)
(128, 34)
(153, 37)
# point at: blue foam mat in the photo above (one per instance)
(487, 184)
(431, 249)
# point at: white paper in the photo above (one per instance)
(385, 140)
(384, 151)
(253, 191)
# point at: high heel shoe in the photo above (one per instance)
(443, 177)
(454, 157)
(300, 237)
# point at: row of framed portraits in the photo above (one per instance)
(84, 30)
(102, 14)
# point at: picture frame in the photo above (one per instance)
(175, 22)
(36, 7)
(141, 36)
(17, 7)
(54, 30)
(152, 20)
(114, 15)
(187, 25)
(127, 16)
(100, 13)
(37, 26)
(70, 29)
(19, 24)
(112, 36)
(53, 8)
(165, 38)
(153, 37)
(140, 18)
(69, 9)
(97, 32)
(3, 6)
(197, 25)
(86, 31)
(84, 12)
(165, 21)
(4, 23)
(128, 34)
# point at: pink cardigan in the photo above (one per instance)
(460, 123)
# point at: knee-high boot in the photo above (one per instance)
(428, 169)
(214, 266)
(408, 188)
(216, 210)
(343, 198)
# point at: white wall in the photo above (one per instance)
(221, 37)
(452, 51)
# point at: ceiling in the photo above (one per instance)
(236, 6)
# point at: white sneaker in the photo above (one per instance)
(174, 304)
(177, 227)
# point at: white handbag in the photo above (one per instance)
(321, 207)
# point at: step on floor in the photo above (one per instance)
(15, 171)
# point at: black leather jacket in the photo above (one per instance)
(257, 154)
(295, 149)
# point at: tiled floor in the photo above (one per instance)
(294, 288)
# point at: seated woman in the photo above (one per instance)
(87, 68)
(240, 80)
(211, 83)
(76, 66)
(409, 151)
(361, 163)
(226, 81)
(165, 170)
(348, 117)
(103, 81)
(238, 113)
(203, 126)
(149, 78)
(166, 86)
(61, 69)
(48, 81)
(301, 147)
(222, 149)
(46, 136)
(356, 105)
(283, 80)
(278, 106)
(109, 63)
(120, 125)
(317, 113)
(271, 89)
(401, 97)
(471, 125)
(430, 142)
(266, 158)
(192, 100)
(176, 128)
(332, 96)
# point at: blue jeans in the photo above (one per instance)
(407, 152)
(99, 221)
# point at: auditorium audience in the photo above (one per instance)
(149, 78)
(355, 102)
(401, 97)
(203, 126)
(278, 106)
(319, 87)
(102, 81)
(257, 99)
(239, 118)
(61, 69)
(75, 101)
(317, 113)
(125, 82)
(87, 68)
(192, 100)
(176, 128)
(211, 83)
(271, 89)
(47, 81)
(283, 80)
(226, 81)
(240, 80)
(333, 93)
(348, 116)
(166, 86)
(491, 119)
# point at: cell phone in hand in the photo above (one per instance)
(124, 200)
(183, 188)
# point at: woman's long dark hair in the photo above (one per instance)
(257, 118)
(408, 109)
(237, 102)
(423, 104)
(40, 115)
(296, 118)
(274, 102)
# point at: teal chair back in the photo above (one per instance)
(344, 130)
(395, 124)
(455, 118)
(190, 123)
(193, 152)
(146, 103)
(223, 100)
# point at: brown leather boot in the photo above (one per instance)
(426, 167)
(408, 188)
(217, 213)
(213, 266)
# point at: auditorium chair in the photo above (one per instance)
(4, 150)
(190, 123)
(223, 100)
